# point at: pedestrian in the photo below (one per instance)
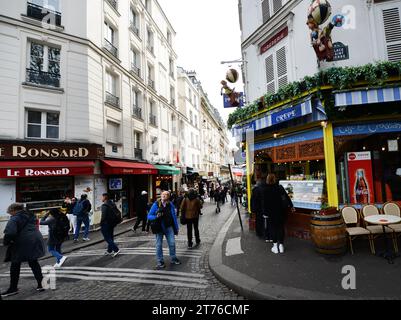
(59, 227)
(164, 223)
(178, 202)
(69, 204)
(239, 193)
(232, 196)
(24, 244)
(276, 213)
(217, 199)
(108, 222)
(81, 211)
(141, 211)
(191, 208)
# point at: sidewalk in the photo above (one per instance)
(245, 264)
(95, 237)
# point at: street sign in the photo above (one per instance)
(340, 51)
(235, 100)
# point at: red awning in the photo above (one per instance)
(37, 169)
(111, 167)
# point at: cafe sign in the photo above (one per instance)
(23, 151)
(340, 51)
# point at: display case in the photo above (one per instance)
(305, 194)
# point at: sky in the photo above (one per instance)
(208, 32)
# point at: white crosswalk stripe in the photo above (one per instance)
(139, 251)
(168, 278)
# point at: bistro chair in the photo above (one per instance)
(393, 209)
(350, 216)
(376, 230)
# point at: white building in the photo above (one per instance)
(99, 74)
(276, 39)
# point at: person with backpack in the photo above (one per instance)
(111, 217)
(59, 226)
(24, 244)
(163, 221)
(81, 211)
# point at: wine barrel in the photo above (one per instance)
(328, 232)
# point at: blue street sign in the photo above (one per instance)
(235, 101)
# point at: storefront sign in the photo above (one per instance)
(368, 128)
(44, 172)
(234, 101)
(286, 115)
(340, 51)
(274, 40)
(49, 152)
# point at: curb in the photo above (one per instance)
(91, 243)
(251, 288)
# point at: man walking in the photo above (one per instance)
(108, 223)
(81, 210)
(191, 208)
(163, 221)
(141, 211)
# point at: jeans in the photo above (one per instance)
(195, 223)
(171, 245)
(55, 251)
(108, 235)
(80, 220)
(15, 270)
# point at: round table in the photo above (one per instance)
(384, 220)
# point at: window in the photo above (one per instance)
(270, 7)
(42, 125)
(137, 139)
(44, 65)
(113, 132)
(110, 39)
(135, 62)
(155, 149)
(198, 162)
(148, 5)
(111, 84)
(193, 161)
(195, 101)
(134, 21)
(169, 37)
(190, 95)
(172, 96)
(174, 125)
(47, 11)
(171, 65)
(192, 139)
(196, 121)
(150, 46)
(190, 116)
(392, 30)
(276, 70)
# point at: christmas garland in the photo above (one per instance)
(339, 78)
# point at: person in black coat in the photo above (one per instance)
(25, 244)
(276, 212)
(141, 211)
(107, 225)
(259, 208)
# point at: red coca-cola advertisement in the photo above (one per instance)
(361, 184)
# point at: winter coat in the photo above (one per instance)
(50, 221)
(191, 206)
(25, 242)
(274, 205)
(153, 216)
(141, 206)
(107, 213)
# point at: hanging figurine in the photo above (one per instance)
(233, 96)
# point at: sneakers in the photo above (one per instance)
(269, 241)
(75, 240)
(60, 263)
(160, 266)
(275, 248)
(108, 253)
(40, 289)
(116, 253)
(190, 246)
(86, 239)
(9, 293)
(281, 248)
(176, 262)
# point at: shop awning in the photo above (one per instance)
(114, 167)
(37, 169)
(360, 97)
(167, 170)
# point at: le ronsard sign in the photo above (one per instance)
(23, 151)
(44, 172)
(274, 40)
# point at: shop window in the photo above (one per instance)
(42, 125)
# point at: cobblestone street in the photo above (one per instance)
(89, 275)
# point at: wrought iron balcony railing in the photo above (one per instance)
(138, 153)
(137, 112)
(151, 83)
(152, 120)
(42, 78)
(112, 100)
(134, 29)
(136, 70)
(110, 48)
(113, 3)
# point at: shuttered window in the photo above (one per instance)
(266, 10)
(276, 70)
(281, 61)
(392, 30)
(277, 4)
(271, 88)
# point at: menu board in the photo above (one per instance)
(306, 194)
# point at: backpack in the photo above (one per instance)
(78, 209)
(61, 228)
(115, 216)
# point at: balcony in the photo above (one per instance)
(137, 112)
(134, 29)
(150, 49)
(135, 70)
(112, 100)
(110, 48)
(113, 3)
(151, 83)
(152, 120)
(42, 78)
(39, 13)
(138, 153)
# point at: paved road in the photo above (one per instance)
(89, 275)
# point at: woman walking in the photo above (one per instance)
(59, 226)
(24, 244)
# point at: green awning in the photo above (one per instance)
(167, 170)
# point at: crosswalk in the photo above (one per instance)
(139, 276)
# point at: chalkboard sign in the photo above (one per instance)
(340, 51)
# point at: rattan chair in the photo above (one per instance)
(393, 209)
(350, 216)
(376, 230)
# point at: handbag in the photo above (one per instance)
(183, 219)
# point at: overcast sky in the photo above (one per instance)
(208, 32)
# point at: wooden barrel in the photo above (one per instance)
(329, 234)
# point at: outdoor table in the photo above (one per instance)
(384, 220)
